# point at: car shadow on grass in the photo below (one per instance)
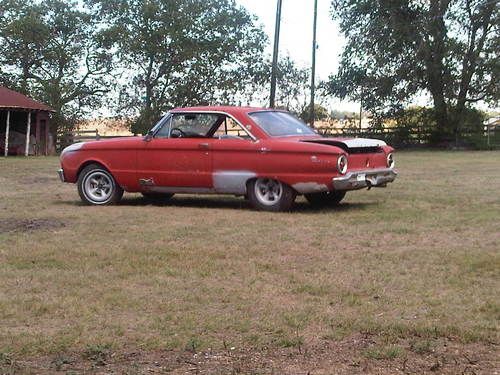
(222, 202)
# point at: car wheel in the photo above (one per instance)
(268, 194)
(97, 186)
(157, 197)
(327, 198)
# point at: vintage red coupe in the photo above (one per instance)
(266, 155)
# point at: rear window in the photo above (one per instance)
(279, 124)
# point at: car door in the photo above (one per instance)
(235, 158)
(178, 156)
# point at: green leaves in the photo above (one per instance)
(398, 50)
(51, 50)
(177, 53)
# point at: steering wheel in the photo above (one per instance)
(177, 133)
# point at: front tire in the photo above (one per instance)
(267, 194)
(327, 198)
(96, 186)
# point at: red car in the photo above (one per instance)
(266, 155)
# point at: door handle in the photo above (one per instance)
(263, 150)
(203, 146)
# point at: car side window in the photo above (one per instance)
(195, 125)
(230, 129)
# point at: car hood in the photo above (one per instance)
(118, 142)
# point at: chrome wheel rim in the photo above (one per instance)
(98, 186)
(268, 191)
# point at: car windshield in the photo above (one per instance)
(278, 124)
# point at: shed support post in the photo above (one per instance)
(37, 133)
(7, 128)
(46, 137)
(28, 130)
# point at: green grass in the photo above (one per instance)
(384, 352)
(417, 260)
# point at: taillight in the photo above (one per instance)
(342, 164)
(390, 160)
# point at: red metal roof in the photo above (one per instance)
(14, 100)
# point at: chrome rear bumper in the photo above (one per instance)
(365, 178)
(60, 172)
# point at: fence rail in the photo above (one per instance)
(66, 139)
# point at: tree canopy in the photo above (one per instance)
(178, 53)
(51, 50)
(399, 49)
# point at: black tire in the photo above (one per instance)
(283, 202)
(111, 191)
(327, 198)
(157, 197)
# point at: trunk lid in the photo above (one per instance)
(362, 153)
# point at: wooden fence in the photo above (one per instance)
(402, 137)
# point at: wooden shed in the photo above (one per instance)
(24, 125)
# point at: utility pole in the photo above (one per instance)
(274, 70)
(313, 69)
(360, 113)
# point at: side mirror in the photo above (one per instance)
(148, 136)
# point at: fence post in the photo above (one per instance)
(488, 134)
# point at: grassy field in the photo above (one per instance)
(398, 280)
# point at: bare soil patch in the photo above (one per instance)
(23, 225)
(349, 356)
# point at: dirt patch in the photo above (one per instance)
(342, 357)
(39, 180)
(16, 225)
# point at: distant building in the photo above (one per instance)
(24, 125)
(493, 123)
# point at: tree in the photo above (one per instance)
(320, 113)
(293, 89)
(52, 51)
(292, 86)
(398, 49)
(178, 53)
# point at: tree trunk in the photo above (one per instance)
(434, 60)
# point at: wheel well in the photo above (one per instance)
(89, 162)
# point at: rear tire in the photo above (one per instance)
(96, 186)
(157, 197)
(267, 194)
(327, 198)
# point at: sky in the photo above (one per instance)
(296, 36)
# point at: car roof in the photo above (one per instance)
(232, 110)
